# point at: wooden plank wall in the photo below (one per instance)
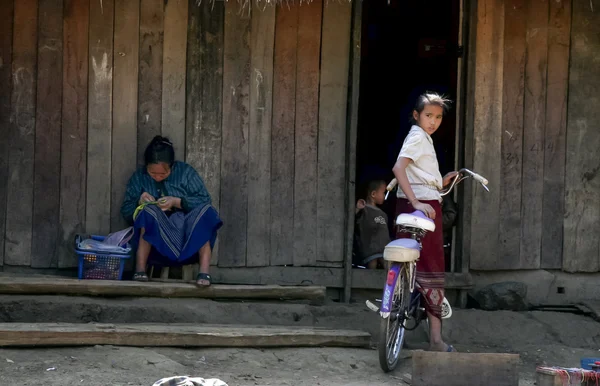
(582, 205)
(520, 129)
(255, 99)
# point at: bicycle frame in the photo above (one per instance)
(388, 291)
(393, 321)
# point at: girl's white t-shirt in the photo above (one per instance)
(424, 172)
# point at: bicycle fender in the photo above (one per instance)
(388, 290)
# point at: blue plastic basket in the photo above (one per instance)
(100, 265)
(586, 363)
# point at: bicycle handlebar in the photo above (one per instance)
(475, 176)
(482, 180)
(391, 185)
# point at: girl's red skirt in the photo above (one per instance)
(431, 266)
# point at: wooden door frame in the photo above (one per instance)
(462, 250)
(463, 145)
(351, 138)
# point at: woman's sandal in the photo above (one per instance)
(140, 276)
(203, 276)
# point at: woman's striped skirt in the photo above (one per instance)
(176, 237)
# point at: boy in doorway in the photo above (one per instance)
(371, 233)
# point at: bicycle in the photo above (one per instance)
(400, 303)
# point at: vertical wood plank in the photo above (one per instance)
(125, 102)
(282, 145)
(487, 151)
(73, 170)
(310, 17)
(465, 152)
(512, 133)
(98, 190)
(150, 73)
(259, 141)
(205, 96)
(352, 138)
(582, 182)
(6, 38)
(234, 157)
(465, 192)
(173, 77)
(533, 137)
(46, 190)
(559, 39)
(335, 59)
(19, 202)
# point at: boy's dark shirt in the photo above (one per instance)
(372, 233)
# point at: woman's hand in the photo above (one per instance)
(168, 203)
(448, 178)
(146, 197)
(425, 208)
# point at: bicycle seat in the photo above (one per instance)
(402, 251)
(416, 219)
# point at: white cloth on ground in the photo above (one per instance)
(188, 381)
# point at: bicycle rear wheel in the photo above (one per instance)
(391, 328)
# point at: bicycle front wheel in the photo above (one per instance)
(391, 328)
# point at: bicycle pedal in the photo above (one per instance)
(372, 306)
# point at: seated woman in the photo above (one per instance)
(170, 209)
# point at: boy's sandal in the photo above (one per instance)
(140, 276)
(203, 276)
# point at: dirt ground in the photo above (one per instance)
(539, 337)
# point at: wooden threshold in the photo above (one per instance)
(70, 286)
(319, 276)
(175, 335)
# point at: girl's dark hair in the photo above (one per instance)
(430, 98)
(159, 150)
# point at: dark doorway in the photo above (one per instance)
(408, 47)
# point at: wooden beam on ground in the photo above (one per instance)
(170, 335)
(68, 286)
(473, 369)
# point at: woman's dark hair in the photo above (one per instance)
(159, 150)
(430, 98)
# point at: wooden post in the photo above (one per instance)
(6, 41)
(465, 153)
(353, 99)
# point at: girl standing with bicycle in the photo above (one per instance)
(420, 183)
